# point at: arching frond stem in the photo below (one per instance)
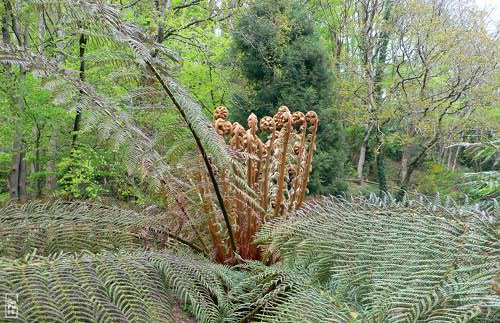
(215, 185)
(183, 241)
(195, 230)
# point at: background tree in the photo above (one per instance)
(354, 61)
(443, 53)
(11, 26)
(368, 50)
(358, 35)
(46, 126)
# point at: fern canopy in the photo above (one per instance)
(128, 286)
(340, 260)
(393, 262)
(57, 226)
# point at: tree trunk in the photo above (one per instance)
(36, 162)
(17, 177)
(362, 153)
(404, 164)
(449, 164)
(374, 57)
(361, 161)
(51, 164)
(51, 179)
(458, 152)
(405, 181)
(442, 152)
(455, 160)
(380, 160)
(161, 7)
(405, 158)
(82, 43)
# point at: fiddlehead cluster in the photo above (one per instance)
(277, 162)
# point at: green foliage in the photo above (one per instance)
(91, 173)
(284, 293)
(482, 186)
(80, 174)
(284, 63)
(327, 177)
(121, 280)
(485, 155)
(115, 57)
(436, 179)
(205, 71)
(6, 131)
(38, 115)
(282, 58)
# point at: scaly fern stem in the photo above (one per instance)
(217, 242)
(307, 167)
(218, 193)
(287, 128)
(267, 166)
(249, 251)
(299, 170)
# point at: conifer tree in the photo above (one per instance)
(283, 62)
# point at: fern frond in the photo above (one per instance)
(57, 226)
(128, 286)
(399, 263)
(283, 294)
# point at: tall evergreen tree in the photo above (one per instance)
(283, 62)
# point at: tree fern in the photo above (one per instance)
(341, 260)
